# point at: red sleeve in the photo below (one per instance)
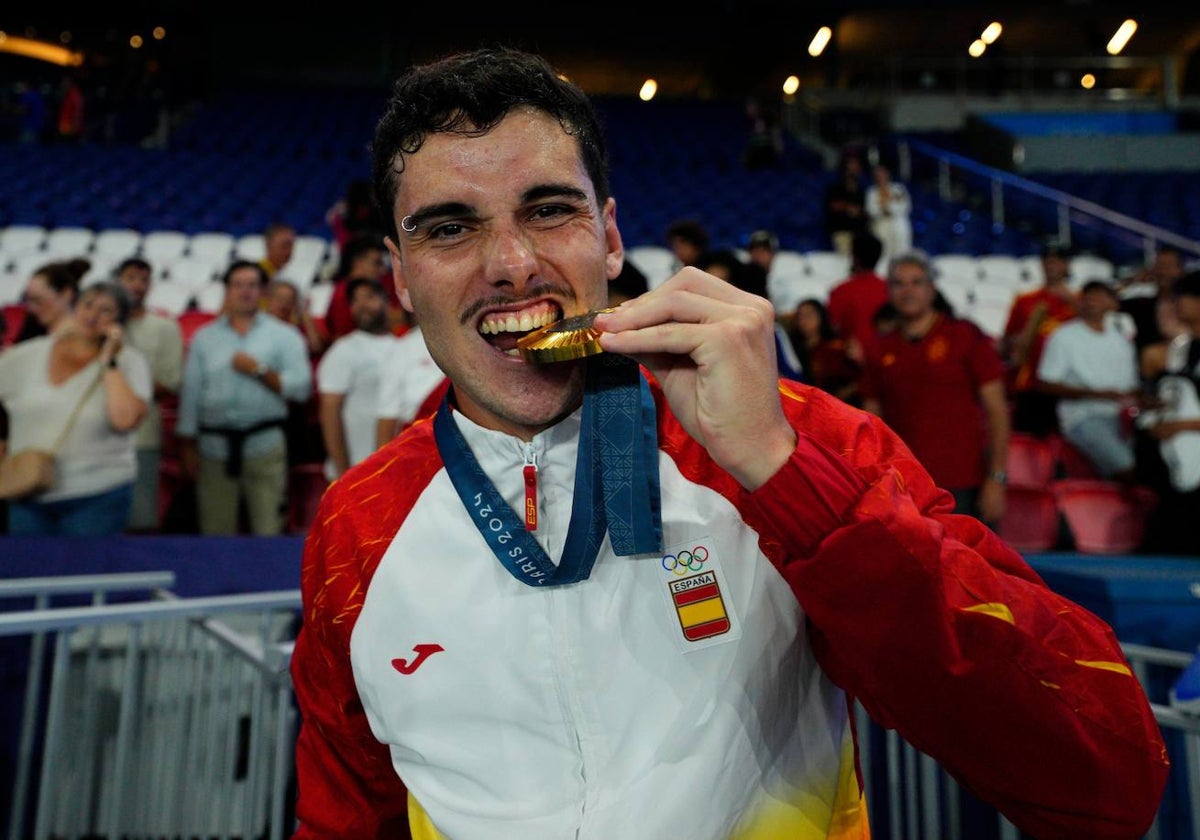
(836, 306)
(347, 786)
(946, 635)
(1017, 316)
(338, 318)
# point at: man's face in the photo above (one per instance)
(243, 292)
(1187, 308)
(508, 237)
(136, 281)
(369, 264)
(1055, 268)
(911, 291)
(368, 310)
(279, 247)
(1094, 303)
(281, 301)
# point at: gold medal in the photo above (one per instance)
(562, 341)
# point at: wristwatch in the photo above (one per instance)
(261, 371)
(112, 363)
(999, 476)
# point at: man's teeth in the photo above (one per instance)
(514, 323)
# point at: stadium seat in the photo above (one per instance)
(191, 321)
(210, 298)
(213, 247)
(251, 246)
(785, 281)
(1000, 270)
(1071, 462)
(170, 299)
(160, 247)
(14, 317)
(829, 267)
(1031, 518)
(1032, 461)
(69, 242)
(1104, 517)
(117, 243)
(191, 272)
(15, 239)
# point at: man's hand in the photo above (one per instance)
(712, 348)
(245, 364)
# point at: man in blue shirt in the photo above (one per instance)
(241, 371)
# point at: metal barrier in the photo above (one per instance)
(174, 718)
(169, 718)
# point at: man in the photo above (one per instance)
(688, 240)
(762, 247)
(1171, 528)
(1090, 366)
(362, 257)
(939, 383)
(348, 377)
(410, 386)
(241, 372)
(726, 557)
(1032, 317)
(1147, 296)
(854, 301)
(161, 342)
(279, 240)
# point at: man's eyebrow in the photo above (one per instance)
(553, 191)
(416, 220)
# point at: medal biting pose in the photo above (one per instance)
(630, 594)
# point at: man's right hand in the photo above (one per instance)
(189, 458)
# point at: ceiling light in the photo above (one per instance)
(1121, 37)
(649, 88)
(820, 41)
(791, 84)
(991, 33)
(977, 48)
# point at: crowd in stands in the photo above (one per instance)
(246, 413)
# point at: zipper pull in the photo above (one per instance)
(530, 472)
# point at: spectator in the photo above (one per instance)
(87, 363)
(939, 382)
(764, 137)
(1032, 317)
(241, 371)
(1090, 366)
(889, 208)
(160, 341)
(688, 239)
(630, 283)
(71, 125)
(354, 214)
(50, 296)
(362, 258)
(823, 357)
(1147, 297)
(408, 379)
(283, 300)
(279, 240)
(854, 301)
(348, 378)
(1171, 528)
(845, 205)
(762, 248)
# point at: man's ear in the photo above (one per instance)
(615, 257)
(398, 275)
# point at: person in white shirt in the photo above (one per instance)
(889, 208)
(348, 378)
(410, 378)
(161, 341)
(1090, 364)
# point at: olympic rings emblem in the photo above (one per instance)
(686, 561)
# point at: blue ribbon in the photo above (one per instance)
(617, 464)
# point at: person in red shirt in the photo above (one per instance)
(1031, 319)
(854, 301)
(363, 257)
(938, 381)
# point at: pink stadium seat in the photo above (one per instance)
(1030, 521)
(1105, 517)
(1031, 460)
(1072, 462)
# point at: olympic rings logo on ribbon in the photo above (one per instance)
(686, 561)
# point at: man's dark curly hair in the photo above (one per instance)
(470, 93)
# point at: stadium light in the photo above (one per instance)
(820, 41)
(649, 88)
(1121, 37)
(40, 50)
(991, 32)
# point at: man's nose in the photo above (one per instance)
(511, 257)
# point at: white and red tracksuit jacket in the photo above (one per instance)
(702, 694)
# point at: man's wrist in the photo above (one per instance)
(998, 476)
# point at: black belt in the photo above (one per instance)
(236, 438)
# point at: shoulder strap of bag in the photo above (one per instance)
(62, 436)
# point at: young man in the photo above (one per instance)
(1090, 366)
(348, 378)
(707, 564)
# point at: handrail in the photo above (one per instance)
(1150, 234)
(35, 621)
(79, 584)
